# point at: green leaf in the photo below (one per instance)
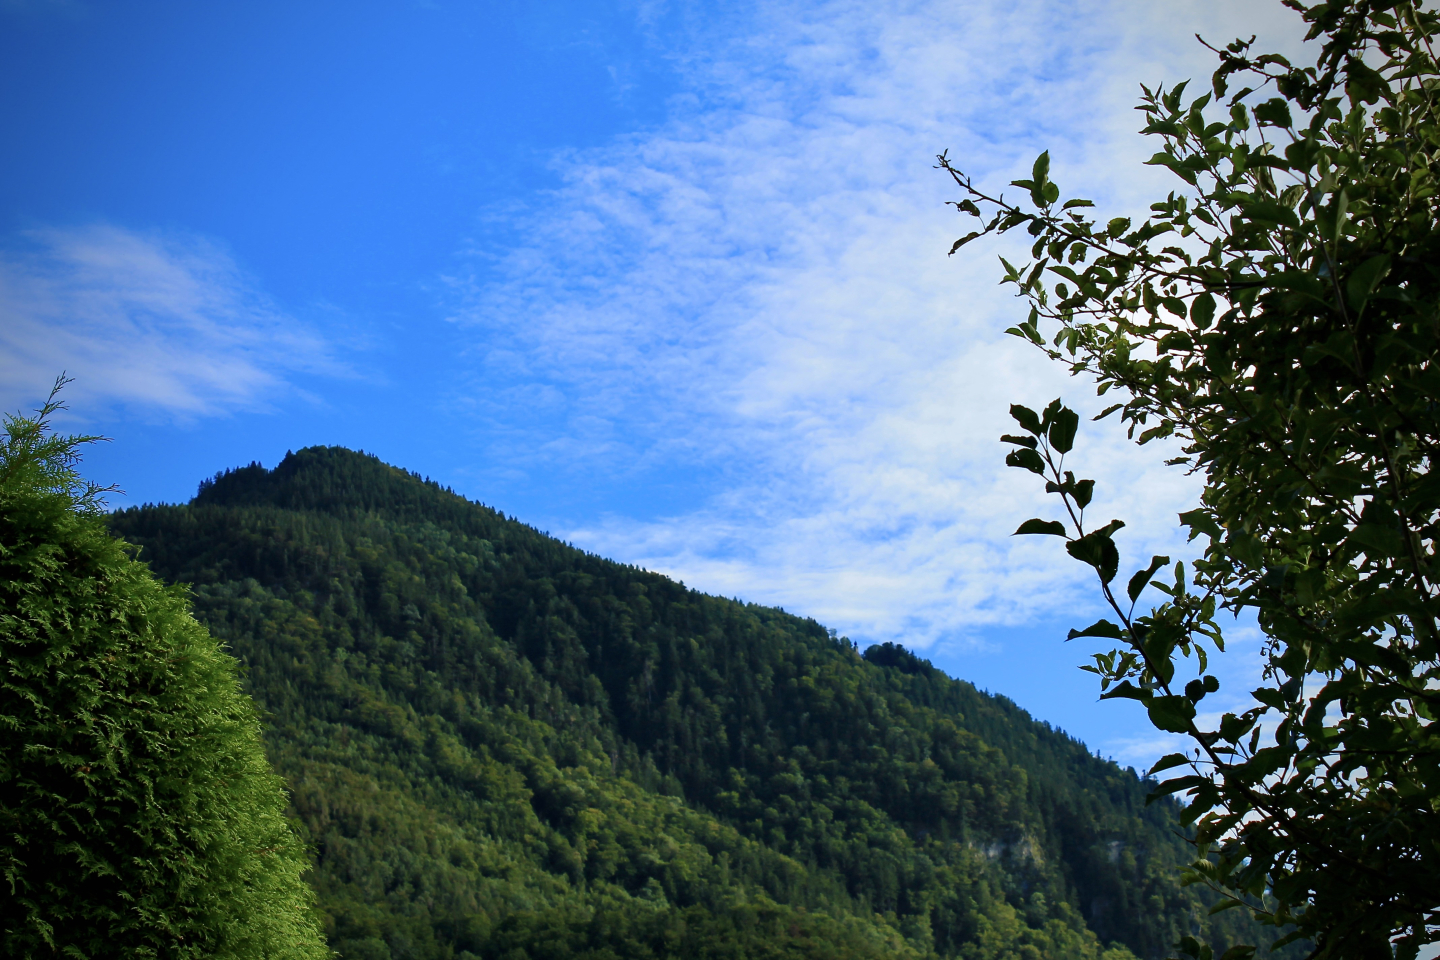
(1026, 417)
(1201, 522)
(1299, 282)
(1097, 549)
(1180, 169)
(1027, 331)
(1364, 280)
(1040, 181)
(1362, 84)
(1126, 690)
(1048, 414)
(1232, 728)
(1030, 442)
(1192, 948)
(965, 239)
(1100, 628)
(1202, 311)
(1171, 713)
(1040, 171)
(1177, 340)
(1142, 578)
(1109, 560)
(1072, 204)
(1379, 540)
(1062, 429)
(1169, 761)
(1026, 459)
(1052, 527)
(1271, 698)
(1275, 112)
(1342, 204)
(1268, 212)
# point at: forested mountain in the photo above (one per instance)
(500, 746)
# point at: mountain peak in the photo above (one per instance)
(500, 742)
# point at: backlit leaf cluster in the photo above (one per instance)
(1277, 315)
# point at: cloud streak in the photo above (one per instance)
(160, 325)
(759, 289)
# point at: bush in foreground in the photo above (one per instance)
(138, 814)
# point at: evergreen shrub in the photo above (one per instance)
(139, 816)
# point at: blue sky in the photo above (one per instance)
(667, 280)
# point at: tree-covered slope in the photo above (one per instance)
(502, 745)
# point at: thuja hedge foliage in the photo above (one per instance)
(139, 816)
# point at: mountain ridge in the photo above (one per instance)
(640, 762)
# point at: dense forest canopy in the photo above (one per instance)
(500, 746)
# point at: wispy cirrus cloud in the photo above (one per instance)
(759, 288)
(159, 324)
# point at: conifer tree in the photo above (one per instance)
(139, 816)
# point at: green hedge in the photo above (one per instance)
(139, 816)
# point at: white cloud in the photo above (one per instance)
(760, 288)
(159, 324)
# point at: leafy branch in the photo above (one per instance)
(1279, 315)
